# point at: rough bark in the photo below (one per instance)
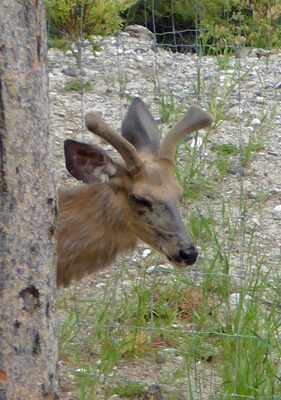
(28, 346)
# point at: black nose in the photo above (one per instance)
(189, 255)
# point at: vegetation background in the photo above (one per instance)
(216, 321)
(182, 25)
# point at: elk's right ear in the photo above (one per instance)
(88, 163)
(140, 128)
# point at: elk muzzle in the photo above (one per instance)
(187, 255)
(176, 243)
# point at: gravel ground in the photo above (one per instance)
(130, 65)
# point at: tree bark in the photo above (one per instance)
(28, 344)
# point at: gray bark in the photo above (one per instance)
(28, 345)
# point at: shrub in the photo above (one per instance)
(241, 22)
(162, 16)
(78, 86)
(219, 23)
(76, 20)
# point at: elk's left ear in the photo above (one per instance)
(140, 128)
(88, 163)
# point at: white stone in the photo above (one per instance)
(256, 221)
(152, 269)
(274, 191)
(197, 142)
(160, 268)
(146, 253)
(170, 350)
(100, 285)
(256, 122)
(236, 297)
(277, 209)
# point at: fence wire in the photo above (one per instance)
(139, 329)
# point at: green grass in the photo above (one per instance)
(225, 149)
(250, 347)
(221, 316)
(153, 313)
(132, 390)
(254, 144)
(240, 341)
(221, 90)
(76, 85)
(170, 108)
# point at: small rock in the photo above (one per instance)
(244, 52)
(256, 122)
(100, 285)
(256, 221)
(89, 73)
(274, 191)
(257, 53)
(60, 114)
(140, 32)
(160, 268)
(273, 153)
(253, 73)
(235, 169)
(170, 350)
(250, 128)
(277, 209)
(115, 397)
(196, 142)
(152, 269)
(124, 34)
(81, 370)
(253, 195)
(235, 110)
(236, 297)
(146, 253)
(70, 71)
(205, 106)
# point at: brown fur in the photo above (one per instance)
(82, 248)
(124, 201)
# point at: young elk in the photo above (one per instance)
(124, 201)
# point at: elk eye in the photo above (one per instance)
(182, 198)
(140, 201)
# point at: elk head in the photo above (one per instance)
(144, 178)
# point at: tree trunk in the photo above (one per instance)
(28, 345)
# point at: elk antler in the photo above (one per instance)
(195, 118)
(127, 151)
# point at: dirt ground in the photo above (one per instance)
(247, 105)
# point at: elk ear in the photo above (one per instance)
(88, 163)
(140, 128)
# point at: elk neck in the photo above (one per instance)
(94, 227)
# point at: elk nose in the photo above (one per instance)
(188, 255)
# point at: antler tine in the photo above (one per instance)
(195, 118)
(128, 152)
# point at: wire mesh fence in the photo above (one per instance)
(141, 329)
